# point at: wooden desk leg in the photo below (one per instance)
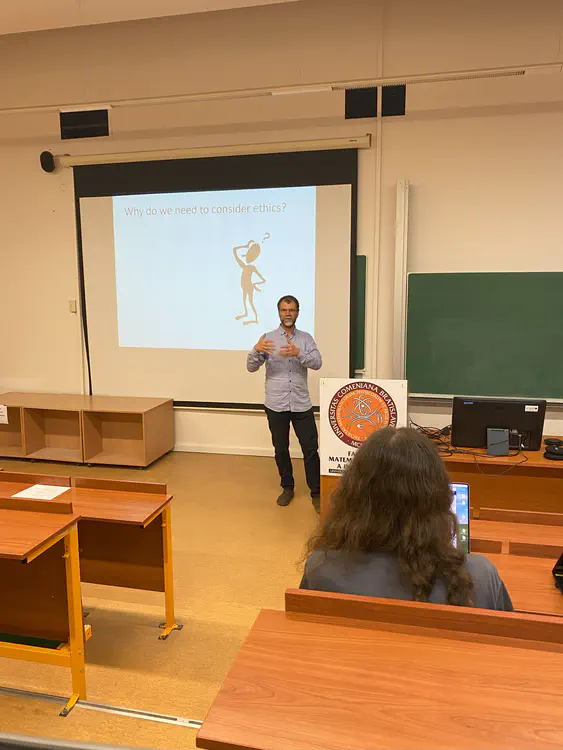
(170, 623)
(75, 619)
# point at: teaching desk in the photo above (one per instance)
(120, 533)
(354, 673)
(496, 481)
(509, 481)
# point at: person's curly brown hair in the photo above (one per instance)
(395, 497)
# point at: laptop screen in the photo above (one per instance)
(460, 506)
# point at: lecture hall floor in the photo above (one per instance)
(235, 552)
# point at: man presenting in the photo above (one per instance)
(288, 353)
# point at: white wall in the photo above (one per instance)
(484, 158)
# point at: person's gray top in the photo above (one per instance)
(378, 574)
(286, 377)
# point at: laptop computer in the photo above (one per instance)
(460, 506)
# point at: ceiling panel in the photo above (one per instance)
(38, 15)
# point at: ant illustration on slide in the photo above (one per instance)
(246, 282)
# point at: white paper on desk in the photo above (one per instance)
(42, 492)
(3, 414)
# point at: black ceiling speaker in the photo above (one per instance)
(47, 161)
(88, 123)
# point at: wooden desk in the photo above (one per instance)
(126, 538)
(125, 532)
(41, 597)
(304, 680)
(531, 540)
(530, 583)
(524, 546)
(534, 485)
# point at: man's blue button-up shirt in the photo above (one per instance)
(286, 377)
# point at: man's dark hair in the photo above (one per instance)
(289, 298)
(395, 497)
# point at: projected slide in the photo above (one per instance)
(180, 285)
(205, 270)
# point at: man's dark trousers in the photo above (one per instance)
(306, 430)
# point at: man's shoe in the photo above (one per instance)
(286, 496)
(316, 502)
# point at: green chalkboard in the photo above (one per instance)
(485, 334)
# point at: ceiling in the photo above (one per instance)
(38, 15)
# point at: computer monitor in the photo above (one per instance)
(523, 418)
(460, 506)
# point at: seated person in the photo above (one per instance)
(390, 530)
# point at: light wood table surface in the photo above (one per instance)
(538, 540)
(101, 504)
(21, 539)
(76, 402)
(524, 546)
(530, 583)
(305, 680)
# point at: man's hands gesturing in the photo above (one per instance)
(290, 350)
(265, 346)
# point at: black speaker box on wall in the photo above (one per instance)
(393, 100)
(361, 103)
(91, 123)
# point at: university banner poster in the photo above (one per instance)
(350, 410)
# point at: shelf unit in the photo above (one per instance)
(101, 430)
(113, 438)
(127, 432)
(52, 435)
(11, 435)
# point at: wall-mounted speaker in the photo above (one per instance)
(393, 100)
(361, 103)
(47, 161)
(90, 123)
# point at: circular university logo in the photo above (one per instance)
(358, 409)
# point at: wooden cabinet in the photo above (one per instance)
(102, 430)
(11, 436)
